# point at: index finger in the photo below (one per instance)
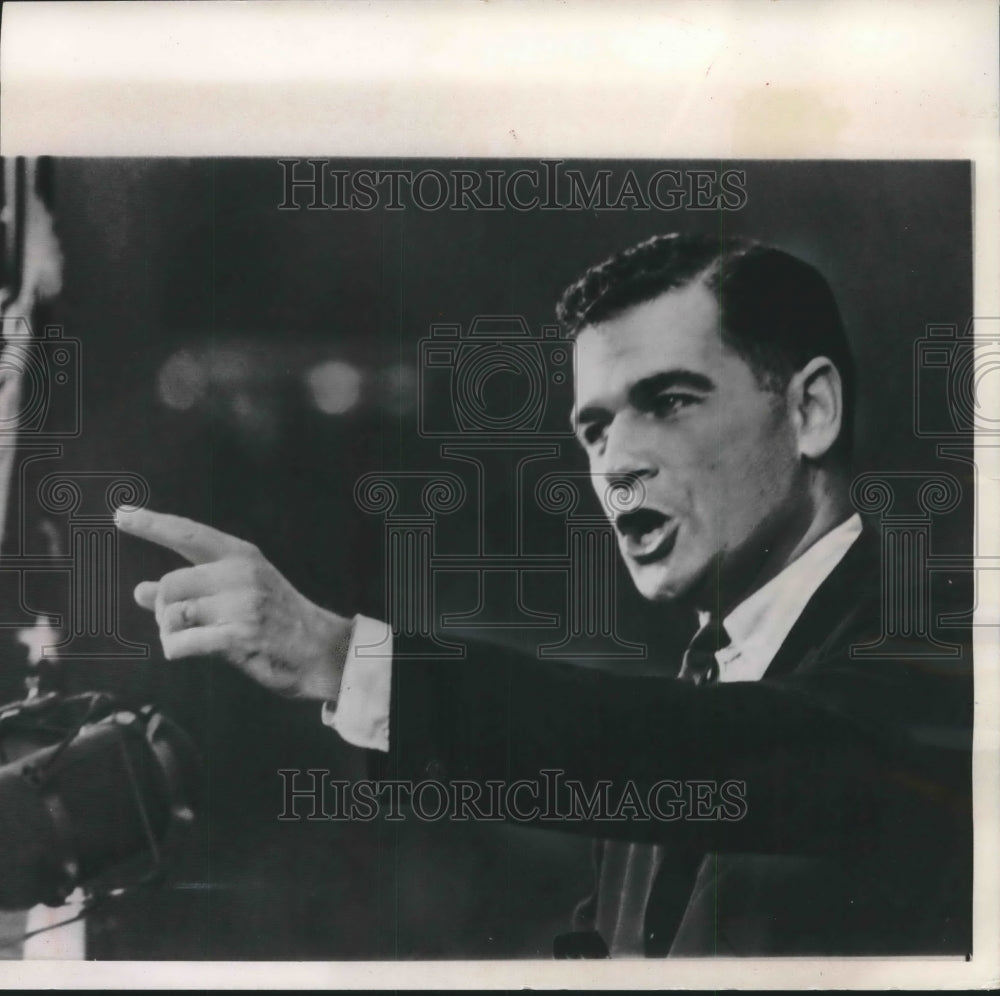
(194, 541)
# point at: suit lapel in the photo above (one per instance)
(852, 586)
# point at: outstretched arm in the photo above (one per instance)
(864, 743)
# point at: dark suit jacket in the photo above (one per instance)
(857, 833)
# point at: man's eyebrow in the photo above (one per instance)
(646, 389)
(654, 384)
(592, 413)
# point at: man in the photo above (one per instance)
(715, 385)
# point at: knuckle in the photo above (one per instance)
(244, 639)
(249, 551)
(244, 570)
(259, 568)
(245, 655)
(168, 587)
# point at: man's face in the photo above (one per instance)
(660, 398)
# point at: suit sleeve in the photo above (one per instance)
(832, 756)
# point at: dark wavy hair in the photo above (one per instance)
(777, 312)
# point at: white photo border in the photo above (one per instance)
(732, 79)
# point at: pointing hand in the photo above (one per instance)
(234, 603)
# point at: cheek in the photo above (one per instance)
(767, 483)
(739, 481)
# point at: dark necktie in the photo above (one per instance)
(699, 665)
(627, 872)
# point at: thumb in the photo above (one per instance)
(145, 594)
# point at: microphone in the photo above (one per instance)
(85, 785)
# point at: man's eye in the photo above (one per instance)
(592, 432)
(667, 404)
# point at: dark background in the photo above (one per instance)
(170, 255)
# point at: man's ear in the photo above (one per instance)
(815, 398)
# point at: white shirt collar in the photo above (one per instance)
(759, 624)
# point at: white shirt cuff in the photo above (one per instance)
(361, 713)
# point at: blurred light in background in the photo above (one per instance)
(335, 386)
(182, 381)
(234, 380)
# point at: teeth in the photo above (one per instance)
(650, 539)
(643, 531)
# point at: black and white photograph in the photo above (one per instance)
(492, 558)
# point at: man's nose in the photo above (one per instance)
(623, 468)
(625, 459)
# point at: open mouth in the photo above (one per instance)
(647, 534)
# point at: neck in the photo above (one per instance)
(793, 530)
